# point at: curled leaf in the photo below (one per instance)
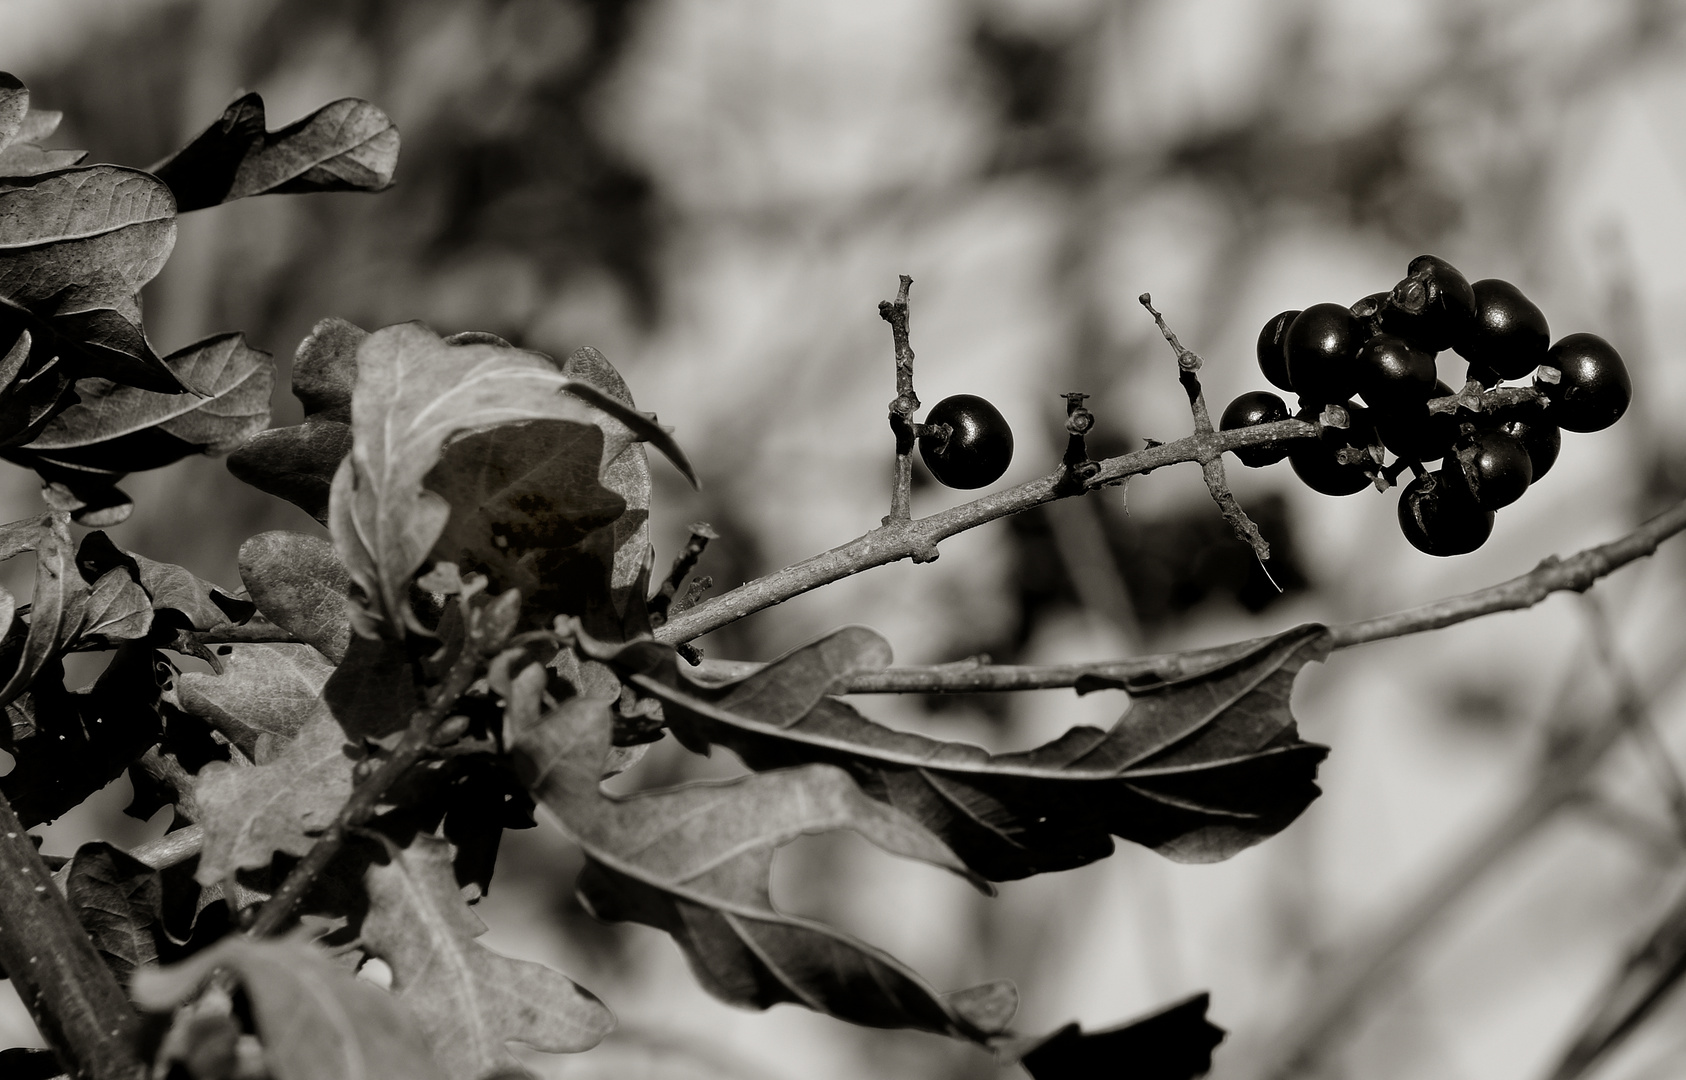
(75, 248)
(694, 861)
(115, 429)
(1199, 768)
(414, 393)
(346, 145)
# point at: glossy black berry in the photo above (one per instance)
(1509, 336)
(1496, 469)
(1433, 307)
(1393, 375)
(1321, 345)
(1250, 410)
(1273, 361)
(977, 450)
(1438, 517)
(1539, 436)
(1318, 462)
(1593, 390)
(978, 447)
(1416, 434)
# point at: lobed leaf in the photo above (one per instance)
(35, 381)
(119, 901)
(471, 1000)
(414, 393)
(115, 429)
(299, 584)
(1198, 769)
(14, 104)
(180, 599)
(626, 473)
(694, 861)
(75, 248)
(346, 145)
(20, 127)
(69, 745)
(1175, 1043)
(266, 690)
(317, 1020)
(280, 806)
(54, 612)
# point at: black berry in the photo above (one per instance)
(1416, 434)
(1539, 436)
(1321, 345)
(1273, 361)
(1318, 462)
(1250, 410)
(1393, 375)
(1433, 307)
(1593, 389)
(1509, 336)
(978, 448)
(1438, 517)
(1496, 469)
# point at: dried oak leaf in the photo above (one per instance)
(415, 392)
(282, 805)
(1175, 1043)
(119, 901)
(113, 429)
(694, 861)
(264, 694)
(69, 745)
(316, 1019)
(1199, 768)
(76, 246)
(346, 145)
(471, 1001)
(299, 584)
(297, 462)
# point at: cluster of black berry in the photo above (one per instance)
(1383, 349)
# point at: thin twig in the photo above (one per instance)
(683, 564)
(1212, 467)
(897, 540)
(906, 405)
(1575, 573)
(415, 744)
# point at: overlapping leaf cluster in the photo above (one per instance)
(488, 510)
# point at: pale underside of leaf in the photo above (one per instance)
(694, 861)
(415, 392)
(264, 688)
(252, 813)
(471, 1001)
(316, 1020)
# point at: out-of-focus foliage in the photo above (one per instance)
(717, 195)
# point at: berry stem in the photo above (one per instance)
(906, 404)
(897, 540)
(1212, 467)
